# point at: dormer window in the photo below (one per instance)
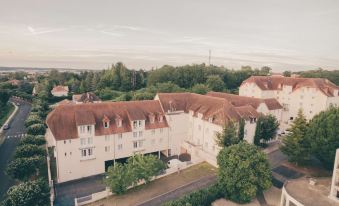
(105, 121)
(210, 119)
(151, 118)
(106, 124)
(160, 118)
(118, 121)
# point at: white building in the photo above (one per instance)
(312, 95)
(89, 137)
(60, 91)
(334, 193)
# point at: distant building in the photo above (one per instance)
(88, 97)
(312, 95)
(14, 82)
(334, 194)
(87, 138)
(60, 91)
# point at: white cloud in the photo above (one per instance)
(39, 31)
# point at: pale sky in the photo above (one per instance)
(91, 34)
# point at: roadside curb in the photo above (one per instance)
(7, 121)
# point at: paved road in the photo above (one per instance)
(276, 158)
(12, 138)
(179, 192)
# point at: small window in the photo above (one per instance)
(90, 140)
(69, 141)
(107, 148)
(83, 153)
(135, 123)
(119, 146)
(135, 145)
(135, 134)
(90, 151)
(120, 136)
(153, 131)
(89, 129)
(291, 118)
(140, 143)
(140, 133)
(106, 124)
(70, 153)
(64, 141)
(83, 141)
(65, 154)
(161, 130)
(107, 138)
(140, 123)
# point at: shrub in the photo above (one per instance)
(33, 119)
(29, 150)
(35, 140)
(24, 168)
(36, 129)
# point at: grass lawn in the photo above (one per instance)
(5, 113)
(159, 186)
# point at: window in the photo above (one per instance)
(90, 140)
(82, 129)
(120, 136)
(140, 143)
(161, 130)
(83, 141)
(140, 133)
(69, 141)
(90, 151)
(106, 124)
(291, 118)
(64, 141)
(83, 152)
(119, 146)
(153, 131)
(135, 123)
(135, 134)
(107, 148)
(140, 123)
(65, 154)
(135, 145)
(107, 138)
(89, 129)
(160, 118)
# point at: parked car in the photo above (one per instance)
(6, 126)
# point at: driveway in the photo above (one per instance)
(12, 138)
(66, 192)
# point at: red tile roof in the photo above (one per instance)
(238, 101)
(63, 120)
(60, 89)
(276, 83)
(219, 110)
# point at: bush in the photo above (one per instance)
(36, 129)
(28, 194)
(24, 168)
(243, 172)
(200, 89)
(33, 119)
(29, 150)
(201, 197)
(35, 140)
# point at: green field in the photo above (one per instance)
(5, 113)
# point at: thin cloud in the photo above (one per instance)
(43, 30)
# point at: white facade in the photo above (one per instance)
(310, 99)
(334, 193)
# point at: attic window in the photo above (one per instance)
(118, 121)
(106, 124)
(160, 118)
(210, 119)
(151, 118)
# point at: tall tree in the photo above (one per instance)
(266, 129)
(243, 172)
(323, 135)
(228, 136)
(295, 144)
(215, 83)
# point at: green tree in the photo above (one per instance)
(36, 129)
(287, 73)
(24, 168)
(228, 136)
(323, 135)
(28, 194)
(241, 132)
(35, 140)
(266, 129)
(295, 144)
(200, 89)
(29, 150)
(33, 119)
(119, 177)
(215, 83)
(243, 172)
(145, 167)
